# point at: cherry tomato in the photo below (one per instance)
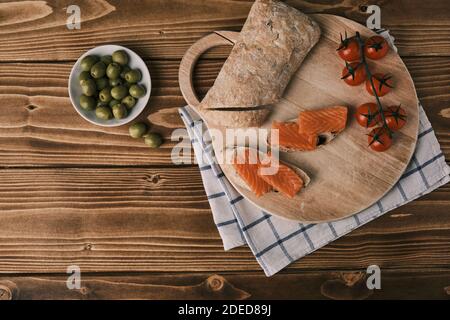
(382, 82)
(349, 49)
(367, 115)
(395, 117)
(376, 47)
(354, 73)
(379, 139)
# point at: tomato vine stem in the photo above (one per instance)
(369, 76)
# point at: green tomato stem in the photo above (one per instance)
(369, 76)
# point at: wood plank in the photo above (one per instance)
(155, 29)
(122, 219)
(139, 219)
(432, 80)
(334, 284)
(39, 127)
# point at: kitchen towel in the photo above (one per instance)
(277, 242)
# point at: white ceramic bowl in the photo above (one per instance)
(135, 62)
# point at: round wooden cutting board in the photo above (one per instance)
(346, 176)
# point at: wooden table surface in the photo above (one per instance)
(139, 226)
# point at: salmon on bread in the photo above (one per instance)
(290, 138)
(325, 120)
(265, 175)
(246, 163)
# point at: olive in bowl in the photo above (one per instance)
(107, 76)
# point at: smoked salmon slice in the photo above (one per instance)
(286, 180)
(246, 164)
(249, 167)
(333, 119)
(290, 137)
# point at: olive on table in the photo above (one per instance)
(119, 92)
(153, 140)
(119, 111)
(84, 75)
(138, 130)
(105, 95)
(88, 62)
(124, 71)
(103, 113)
(113, 102)
(137, 91)
(120, 57)
(129, 102)
(106, 59)
(88, 87)
(101, 83)
(115, 82)
(98, 70)
(87, 103)
(133, 76)
(113, 71)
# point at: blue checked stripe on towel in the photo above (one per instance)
(277, 242)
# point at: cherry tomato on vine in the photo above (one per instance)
(379, 139)
(354, 73)
(376, 47)
(367, 115)
(349, 49)
(395, 117)
(382, 82)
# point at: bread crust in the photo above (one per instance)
(271, 47)
(236, 119)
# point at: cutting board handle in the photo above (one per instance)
(191, 56)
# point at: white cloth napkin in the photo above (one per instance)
(277, 242)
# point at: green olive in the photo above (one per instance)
(87, 62)
(138, 130)
(88, 87)
(125, 69)
(113, 71)
(137, 91)
(105, 95)
(153, 140)
(98, 70)
(129, 102)
(119, 92)
(106, 59)
(84, 75)
(101, 83)
(101, 104)
(87, 103)
(119, 111)
(133, 76)
(120, 57)
(103, 113)
(113, 102)
(115, 82)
